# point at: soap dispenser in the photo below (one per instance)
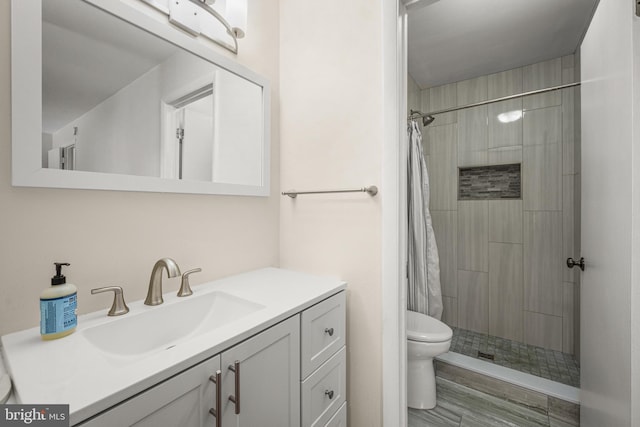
(58, 304)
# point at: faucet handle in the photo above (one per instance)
(118, 307)
(185, 288)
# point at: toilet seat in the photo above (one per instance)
(423, 328)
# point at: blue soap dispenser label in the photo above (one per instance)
(58, 314)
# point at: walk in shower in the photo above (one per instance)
(505, 177)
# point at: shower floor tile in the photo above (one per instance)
(550, 364)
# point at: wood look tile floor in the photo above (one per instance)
(460, 406)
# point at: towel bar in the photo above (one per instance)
(372, 191)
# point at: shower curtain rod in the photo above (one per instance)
(418, 114)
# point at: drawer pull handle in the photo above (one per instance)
(235, 368)
(328, 331)
(329, 393)
(217, 380)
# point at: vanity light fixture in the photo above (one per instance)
(232, 14)
(235, 12)
(237, 16)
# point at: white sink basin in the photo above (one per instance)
(165, 326)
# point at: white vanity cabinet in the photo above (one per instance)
(274, 338)
(267, 393)
(324, 363)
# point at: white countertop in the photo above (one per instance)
(72, 371)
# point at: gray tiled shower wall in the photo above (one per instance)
(502, 261)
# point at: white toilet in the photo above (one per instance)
(427, 338)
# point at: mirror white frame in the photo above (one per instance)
(26, 109)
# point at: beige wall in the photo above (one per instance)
(502, 261)
(331, 110)
(113, 238)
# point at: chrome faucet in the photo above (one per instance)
(154, 294)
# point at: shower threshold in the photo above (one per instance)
(540, 362)
(522, 380)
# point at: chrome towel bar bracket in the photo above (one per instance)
(372, 191)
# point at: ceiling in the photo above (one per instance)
(454, 40)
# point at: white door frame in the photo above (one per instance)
(394, 216)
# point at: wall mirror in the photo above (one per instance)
(105, 96)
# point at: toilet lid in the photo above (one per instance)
(421, 327)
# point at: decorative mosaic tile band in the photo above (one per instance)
(490, 182)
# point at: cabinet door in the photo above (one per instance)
(268, 391)
(183, 400)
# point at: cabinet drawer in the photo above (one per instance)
(324, 391)
(323, 332)
(340, 418)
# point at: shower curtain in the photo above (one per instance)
(425, 294)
